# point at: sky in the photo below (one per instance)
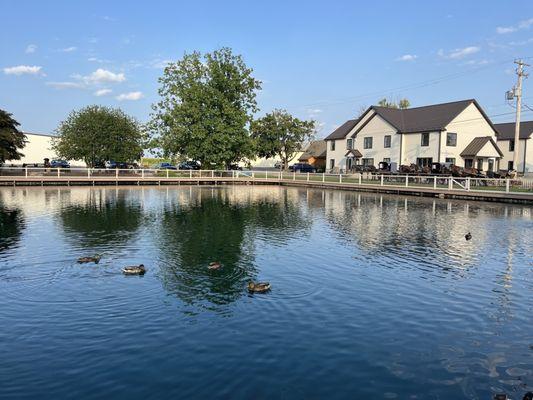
(321, 60)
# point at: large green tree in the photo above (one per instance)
(207, 103)
(280, 134)
(96, 134)
(11, 139)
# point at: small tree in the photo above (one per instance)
(11, 139)
(207, 103)
(280, 134)
(96, 134)
(402, 103)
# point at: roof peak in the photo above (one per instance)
(429, 105)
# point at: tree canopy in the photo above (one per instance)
(280, 134)
(402, 103)
(207, 102)
(11, 139)
(96, 134)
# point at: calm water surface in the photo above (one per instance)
(372, 295)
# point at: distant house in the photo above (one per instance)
(458, 132)
(37, 148)
(506, 143)
(315, 154)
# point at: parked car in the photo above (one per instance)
(120, 165)
(189, 165)
(235, 167)
(59, 164)
(165, 165)
(301, 167)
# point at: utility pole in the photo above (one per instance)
(517, 93)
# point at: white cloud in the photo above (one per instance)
(68, 49)
(31, 48)
(102, 76)
(526, 24)
(23, 69)
(314, 111)
(459, 53)
(102, 92)
(407, 57)
(65, 85)
(130, 96)
(98, 60)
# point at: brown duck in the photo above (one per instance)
(94, 259)
(258, 287)
(134, 270)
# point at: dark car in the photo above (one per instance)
(165, 165)
(235, 167)
(189, 165)
(301, 167)
(120, 165)
(59, 164)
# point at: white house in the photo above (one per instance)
(506, 143)
(37, 148)
(458, 132)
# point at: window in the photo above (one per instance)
(450, 160)
(424, 162)
(386, 141)
(367, 144)
(349, 144)
(511, 145)
(332, 145)
(510, 166)
(480, 164)
(387, 160)
(469, 163)
(425, 139)
(451, 139)
(331, 163)
(368, 161)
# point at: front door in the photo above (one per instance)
(349, 162)
(480, 164)
(491, 165)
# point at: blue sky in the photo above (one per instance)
(318, 59)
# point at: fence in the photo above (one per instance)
(499, 185)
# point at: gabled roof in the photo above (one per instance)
(354, 152)
(506, 130)
(427, 118)
(477, 144)
(315, 149)
(343, 130)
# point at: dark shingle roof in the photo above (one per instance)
(316, 149)
(506, 130)
(477, 144)
(427, 118)
(343, 130)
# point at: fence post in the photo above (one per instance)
(58, 173)
(323, 177)
(294, 176)
(26, 172)
(381, 179)
(340, 178)
(308, 177)
(467, 184)
(450, 183)
(88, 172)
(360, 178)
(435, 182)
(167, 173)
(232, 174)
(406, 180)
(507, 186)
(212, 173)
(266, 175)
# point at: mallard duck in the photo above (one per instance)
(259, 287)
(94, 259)
(134, 270)
(214, 265)
(468, 236)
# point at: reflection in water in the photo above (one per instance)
(103, 218)
(211, 225)
(375, 296)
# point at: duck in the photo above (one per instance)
(259, 287)
(468, 236)
(214, 265)
(134, 270)
(94, 259)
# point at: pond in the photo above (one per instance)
(373, 296)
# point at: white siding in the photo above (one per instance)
(525, 146)
(412, 148)
(377, 129)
